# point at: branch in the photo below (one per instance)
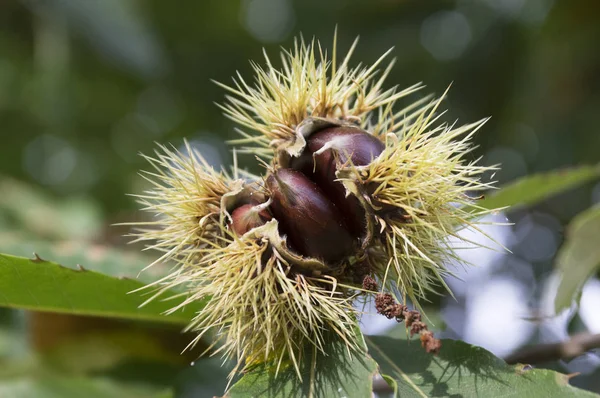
(578, 344)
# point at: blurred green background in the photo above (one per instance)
(85, 85)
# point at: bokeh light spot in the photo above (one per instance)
(269, 21)
(446, 35)
(49, 159)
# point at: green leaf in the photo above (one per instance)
(462, 370)
(46, 286)
(99, 258)
(578, 258)
(534, 188)
(336, 375)
(207, 377)
(57, 386)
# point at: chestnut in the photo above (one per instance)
(311, 222)
(247, 217)
(333, 146)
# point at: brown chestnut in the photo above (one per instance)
(324, 151)
(247, 217)
(312, 223)
(350, 143)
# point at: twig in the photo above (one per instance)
(577, 345)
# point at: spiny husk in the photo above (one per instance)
(423, 172)
(416, 193)
(186, 195)
(310, 85)
(266, 301)
(261, 307)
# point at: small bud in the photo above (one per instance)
(369, 283)
(247, 217)
(338, 145)
(312, 223)
(430, 343)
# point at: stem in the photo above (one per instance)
(578, 344)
